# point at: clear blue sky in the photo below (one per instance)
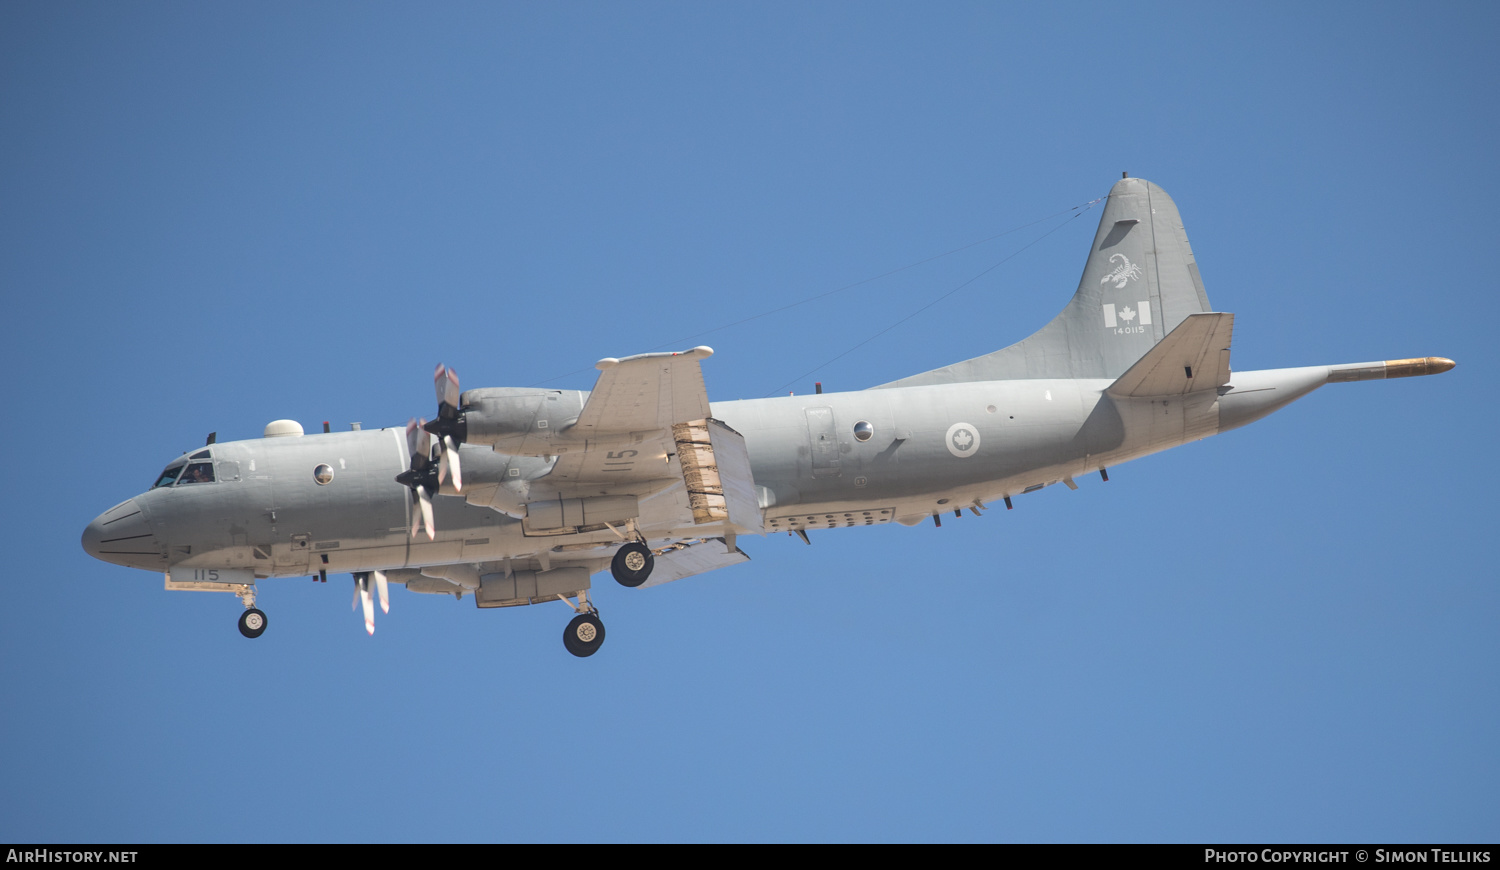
(216, 215)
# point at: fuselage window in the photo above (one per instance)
(198, 472)
(168, 476)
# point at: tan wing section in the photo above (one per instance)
(622, 442)
(716, 469)
(1194, 356)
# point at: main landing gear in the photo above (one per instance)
(632, 564)
(584, 635)
(585, 632)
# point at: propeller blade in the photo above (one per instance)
(424, 440)
(450, 454)
(416, 516)
(382, 587)
(445, 384)
(411, 436)
(364, 598)
(426, 503)
(442, 465)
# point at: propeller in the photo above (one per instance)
(431, 463)
(421, 477)
(362, 595)
(449, 428)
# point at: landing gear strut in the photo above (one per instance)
(585, 632)
(632, 564)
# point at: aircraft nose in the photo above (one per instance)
(122, 535)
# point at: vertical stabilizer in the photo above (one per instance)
(1139, 283)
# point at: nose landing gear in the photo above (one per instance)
(252, 623)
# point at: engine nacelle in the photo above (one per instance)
(519, 421)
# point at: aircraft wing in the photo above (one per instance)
(645, 431)
(623, 435)
(649, 391)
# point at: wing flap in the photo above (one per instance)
(698, 557)
(716, 469)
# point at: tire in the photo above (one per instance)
(252, 623)
(584, 635)
(632, 564)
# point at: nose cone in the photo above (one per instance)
(122, 535)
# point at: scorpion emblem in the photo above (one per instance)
(1122, 273)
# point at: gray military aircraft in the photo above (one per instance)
(518, 496)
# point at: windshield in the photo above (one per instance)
(167, 476)
(198, 472)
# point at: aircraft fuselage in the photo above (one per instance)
(928, 451)
(644, 477)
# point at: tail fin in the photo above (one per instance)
(1140, 282)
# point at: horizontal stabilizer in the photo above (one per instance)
(1194, 356)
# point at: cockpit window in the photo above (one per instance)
(198, 472)
(168, 476)
(201, 454)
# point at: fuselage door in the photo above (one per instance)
(823, 442)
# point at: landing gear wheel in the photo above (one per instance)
(252, 623)
(584, 635)
(632, 564)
